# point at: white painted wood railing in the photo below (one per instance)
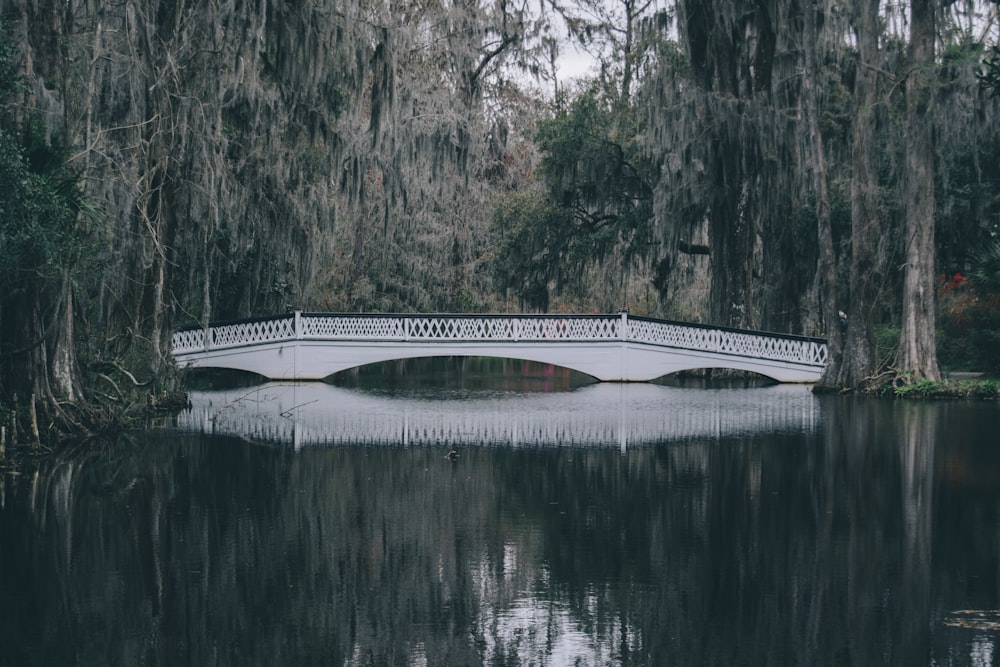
(505, 328)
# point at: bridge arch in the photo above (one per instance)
(606, 347)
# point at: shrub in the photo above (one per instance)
(969, 316)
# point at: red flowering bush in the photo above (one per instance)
(969, 317)
(955, 299)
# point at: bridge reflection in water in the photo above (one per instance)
(602, 415)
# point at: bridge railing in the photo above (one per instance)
(494, 328)
(776, 347)
(321, 326)
(503, 328)
(234, 334)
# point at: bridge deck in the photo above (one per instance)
(608, 347)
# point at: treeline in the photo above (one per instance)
(758, 163)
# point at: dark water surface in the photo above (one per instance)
(593, 525)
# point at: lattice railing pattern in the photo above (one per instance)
(746, 344)
(506, 328)
(353, 327)
(459, 328)
(596, 328)
(766, 347)
(673, 335)
(235, 335)
(248, 333)
(189, 340)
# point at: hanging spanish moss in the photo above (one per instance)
(253, 157)
(725, 128)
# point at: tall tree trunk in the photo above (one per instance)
(859, 359)
(731, 240)
(827, 268)
(917, 348)
(65, 371)
(714, 42)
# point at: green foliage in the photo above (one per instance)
(969, 316)
(969, 201)
(38, 196)
(886, 343)
(954, 347)
(10, 78)
(465, 301)
(533, 241)
(895, 384)
(906, 386)
(598, 201)
(38, 210)
(987, 388)
(41, 246)
(837, 108)
(989, 73)
(593, 164)
(986, 271)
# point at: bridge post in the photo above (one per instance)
(297, 324)
(623, 369)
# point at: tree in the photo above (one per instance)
(989, 73)
(826, 268)
(859, 359)
(40, 248)
(257, 156)
(724, 129)
(532, 253)
(917, 348)
(618, 36)
(598, 208)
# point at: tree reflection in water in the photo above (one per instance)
(854, 542)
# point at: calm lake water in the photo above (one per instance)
(586, 524)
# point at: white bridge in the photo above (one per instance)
(620, 347)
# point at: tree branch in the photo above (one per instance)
(488, 57)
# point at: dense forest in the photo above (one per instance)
(825, 167)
